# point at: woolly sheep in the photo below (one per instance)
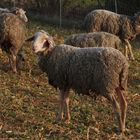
(125, 27)
(12, 37)
(2, 10)
(100, 70)
(17, 11)
(96, 39)
(20, 13)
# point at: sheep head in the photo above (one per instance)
(20, 13)
(42, 42)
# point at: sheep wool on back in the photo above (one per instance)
(95, 39)
(103, 20)
(99, 70)
(125, 27)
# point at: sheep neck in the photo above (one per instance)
(46, 52)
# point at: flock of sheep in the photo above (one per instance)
(88, 63)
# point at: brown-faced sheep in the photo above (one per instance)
(99, 70)
(126, 27)
(12, 37)
(96, 39)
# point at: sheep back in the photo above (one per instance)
(12, 31)
(85, 69)
(96, 39)
(103, 20)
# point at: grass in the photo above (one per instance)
(28, 105)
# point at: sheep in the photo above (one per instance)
(126, 27)
(12, 37)
(20, 13)
(3, 10)
(100, 70)
(100, 39)
(17, 11)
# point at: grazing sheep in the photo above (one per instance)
(12, 37)
(100, 70)
(125, 27)
(96, 39)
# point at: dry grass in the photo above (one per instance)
(28, 105)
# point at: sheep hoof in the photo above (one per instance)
(67, 121)
(59, 118)
(119, 131)
(15, 71)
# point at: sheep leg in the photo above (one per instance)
(64, 104)
(131, 53)
(9, 60)
(14, 63)
(13, 59)
(126, 52)
(123, 107)
(117, 111)
(129, 47)
(67, 110)
(61, 105)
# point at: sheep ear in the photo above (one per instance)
(49, 42)
(30, 39)
(17, 12)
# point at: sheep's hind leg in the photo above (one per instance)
(14, 66)
(116, 107)
(131, 53)
(13, 60)
(123, 107)
(126, 52)
(129, 47)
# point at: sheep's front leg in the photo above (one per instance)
(123, 107)
(61, 105)
(67, 110)
(64, 104)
